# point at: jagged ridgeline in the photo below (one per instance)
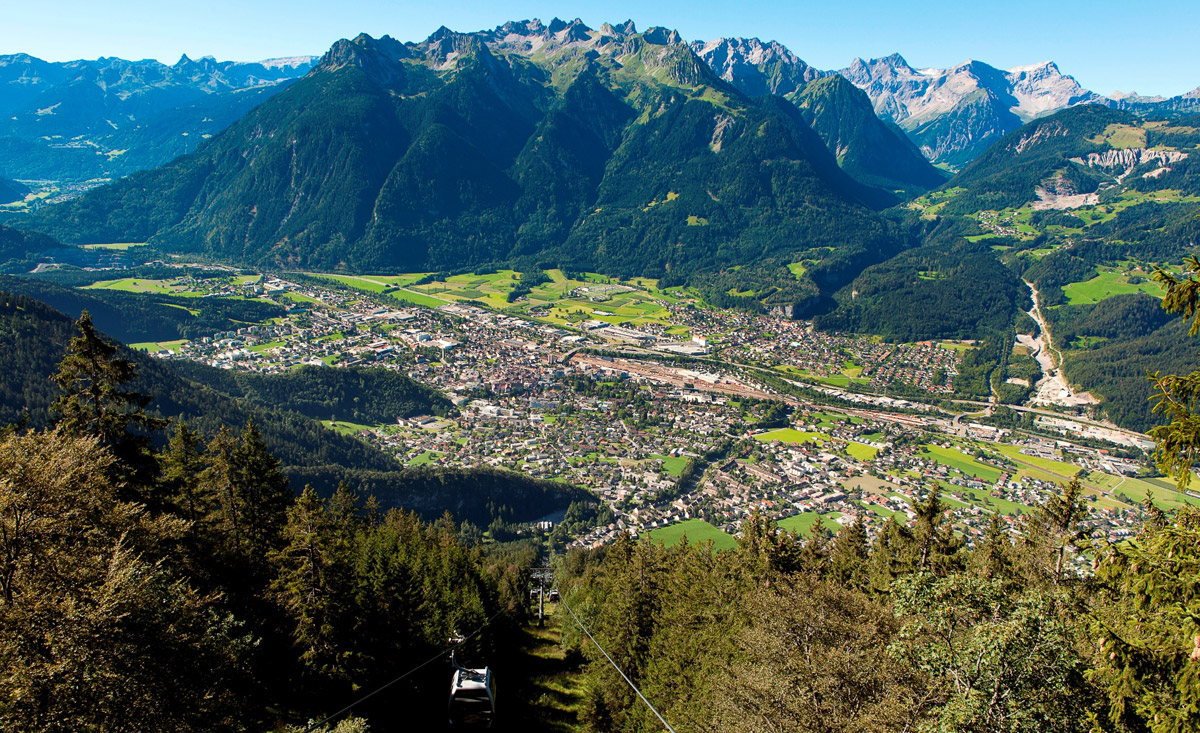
(605, 149)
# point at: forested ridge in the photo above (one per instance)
(138, 317)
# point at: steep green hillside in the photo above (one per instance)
(870, 150)
(606, 150)
(11, 191)
(1085, 204)
(1074, 152)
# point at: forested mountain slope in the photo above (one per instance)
(869, 149)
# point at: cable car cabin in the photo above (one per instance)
(553, 596)
(472, 697)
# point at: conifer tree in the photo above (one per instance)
(96, 401)
(848, 559)
(302, 584)
(182, 465)
(935, 544)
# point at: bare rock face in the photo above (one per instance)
(952, 114)
(755, 67)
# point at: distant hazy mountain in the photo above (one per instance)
(954, 114)
(1187, 103)
(105, 118)
(607, 149)
(865, 146)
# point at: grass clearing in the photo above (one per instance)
(952, 458)
(426, 457)
(347, 428)
(1109, 282)
(1136, 490)
(172, 346)
(140, 285)
(861, 452)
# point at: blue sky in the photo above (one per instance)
(1147, 45)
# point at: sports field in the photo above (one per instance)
(788, 435)
(672, 464)
(802, 523)
(697, 530)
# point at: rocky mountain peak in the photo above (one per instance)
(660, 36)
(755, 67)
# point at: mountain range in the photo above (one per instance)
(81, 120)
(607, 149)
(106, 118)
(954, 114)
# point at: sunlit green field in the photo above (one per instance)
(802, 523)
(115, 245)
(138, 285)
(697, 530)
(563, 300)
(956, 459)
(1108, 283)
(788, 435)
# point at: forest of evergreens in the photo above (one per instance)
(909, 632)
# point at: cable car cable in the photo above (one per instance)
(426, 663)
(654, 710)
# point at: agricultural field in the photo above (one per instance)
(347, 428)
(172, 346)
(698, 531)
(1060, 468)
(861, 452)
(849, 375)
(952, 458)
(138, 285)
(563, 300)
(1109, 282)
(1136, 490)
